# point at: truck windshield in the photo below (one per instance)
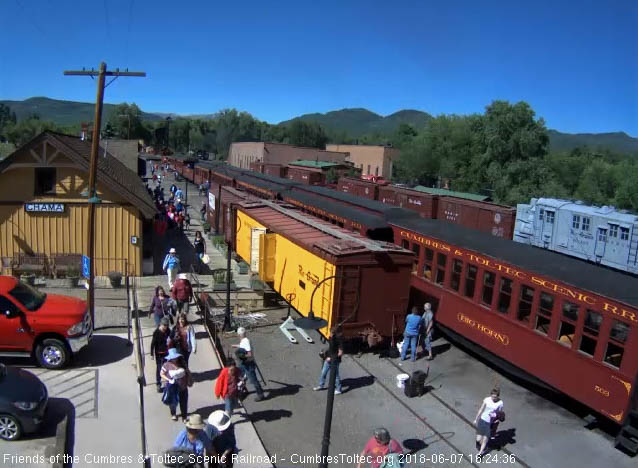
(29, 297)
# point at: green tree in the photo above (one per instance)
(126, 122)
(7, 118)
(309, 134)
(27, 129)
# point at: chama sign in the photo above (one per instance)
(44, 207)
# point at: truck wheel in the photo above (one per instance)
(52, 354)
(10, 428)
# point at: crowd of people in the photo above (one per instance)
(171, 210)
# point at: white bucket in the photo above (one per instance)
(401, 379)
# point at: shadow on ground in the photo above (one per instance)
(103, 350)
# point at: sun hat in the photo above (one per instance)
(172, 250)
(195, 422)
(241, 331)
(172, 354)
(183, 276)
(219, 419)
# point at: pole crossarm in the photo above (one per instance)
(106, 73)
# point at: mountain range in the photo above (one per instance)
(354, 122)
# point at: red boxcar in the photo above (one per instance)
(359, 188)
(570, 324)
(306, 175)
(275, 170)
(423, 203)
(497, 220)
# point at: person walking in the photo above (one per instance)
(183, 338)
(171, 266)
(159, 349)
(226, 386)
(381, 449)
(182, 292)
(413, 324)
(222, 432)
(428, 325)
(247, 362)
(325, 355)
(200, 249)
(194, 439)
(178, 378)
(490, 410)
(159, 305)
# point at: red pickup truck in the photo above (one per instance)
(49, 327)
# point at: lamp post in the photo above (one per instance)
(315, 323)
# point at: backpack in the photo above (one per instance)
(392, 460)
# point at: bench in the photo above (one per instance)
(24, 263)
(65, 264)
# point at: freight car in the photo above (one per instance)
(346, 276)
(570, 324)
(601, 235)
(423, 203)
(359, 187)
(202, 170)
(494, 219)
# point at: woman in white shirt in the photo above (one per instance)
(486, 414)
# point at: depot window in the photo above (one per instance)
(505, 295)
(525, 303)
(44, 180)
(489, 281)
(591, 328)
(568, 324)
(616, 345)
(470, 280)
(576, 221)
(427, 267)
(544, 315)
(586, 223)
(441, 261)
(457, 269)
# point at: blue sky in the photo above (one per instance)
(576, 63)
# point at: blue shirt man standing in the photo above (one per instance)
(413, 324)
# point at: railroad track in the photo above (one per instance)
(422, 419)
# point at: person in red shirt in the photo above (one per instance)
(226, 386)
(380, 445)
(182, 292)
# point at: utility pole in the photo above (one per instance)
(95, 144)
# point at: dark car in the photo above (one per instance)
(23, 402)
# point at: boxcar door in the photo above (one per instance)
(601, 243)
(255, 234)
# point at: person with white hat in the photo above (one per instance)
(171, 266)
(428, 325)
(247, 363)
(221, 431)
(182, 292)
(194, 438)
(177, 378)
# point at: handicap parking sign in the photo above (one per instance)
(86, 266)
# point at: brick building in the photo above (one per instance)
(371, 160)
(244, 153)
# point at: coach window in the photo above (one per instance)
(405, 244)
(525, 303)
(576, 221)
(416, 248)
(489, 280)
(505, 295)
(616, 344)
(457, 269)
(470, 280)
(544, 315)
(590, 332)
(586, 223)
(427, 267)
(568, 324)
(441, 261)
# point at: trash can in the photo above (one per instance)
(415, 386)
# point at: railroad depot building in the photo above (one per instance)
(244, 153)
(372, 160)
(44, 209)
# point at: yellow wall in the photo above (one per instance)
(293, 264)
(116, 220)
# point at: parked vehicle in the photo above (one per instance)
(49, 327)
(23, 402)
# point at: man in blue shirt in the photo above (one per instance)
(413, 323)
(194, 439)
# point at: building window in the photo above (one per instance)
(44, 180)
(549, 217)
(613, 230)
(586, 223)
(489, 280)
(544, 315)
(616, 345)
(505, 296)
(590, 332)
(427, 267)
(441, 260)
(624, 233)
(525, 303)
(457, 269)
(470, 280)
(576, 221)
(417, 251)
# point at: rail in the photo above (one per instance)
(138, 342)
